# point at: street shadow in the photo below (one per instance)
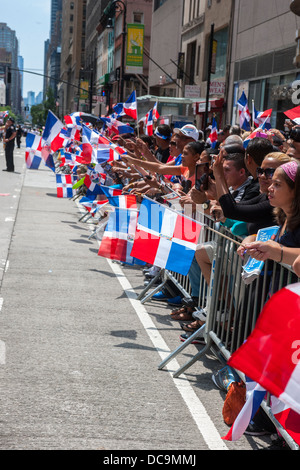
(130, 334)
(84, 242)
(106, 273)
(134, 346)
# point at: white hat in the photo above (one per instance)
(189, 131)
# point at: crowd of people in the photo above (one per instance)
(243, 182)
(246, 187)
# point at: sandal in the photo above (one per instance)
(186, 316)
(178, 310)
(191, 327)
(183, 309)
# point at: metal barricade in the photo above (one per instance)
(233, 306)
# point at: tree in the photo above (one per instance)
(49, 103)
(38, 115)
(39, 112)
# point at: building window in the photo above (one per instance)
(158, 3)
(221, 59)
(138, 18)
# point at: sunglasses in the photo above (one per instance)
(172, 143)
(268, 172)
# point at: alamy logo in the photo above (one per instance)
(2, 353)
(296, 93)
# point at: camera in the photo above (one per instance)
(295, 134)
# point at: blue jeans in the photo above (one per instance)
(194, 277)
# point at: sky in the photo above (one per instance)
(30, 19)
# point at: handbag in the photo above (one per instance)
(234, 402)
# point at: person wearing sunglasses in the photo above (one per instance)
(283, 195)
(256, 212)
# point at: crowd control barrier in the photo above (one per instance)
(233, 306)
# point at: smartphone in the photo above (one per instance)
(201, 176)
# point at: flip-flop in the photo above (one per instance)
(183, 317)
(178, 310)
(189, 327)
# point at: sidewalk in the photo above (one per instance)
(80, 367)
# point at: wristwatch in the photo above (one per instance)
(206, 205)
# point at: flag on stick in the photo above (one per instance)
(64, 185)
(165, 238)
(33, 156)
(118, 237)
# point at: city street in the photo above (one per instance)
(79, 354)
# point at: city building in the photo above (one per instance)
(72, 55)
(9, 71)
(53, 49)
(263, 55)
(211, 76)
(124, 49)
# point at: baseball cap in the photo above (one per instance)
(189, 131)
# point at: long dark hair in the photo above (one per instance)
(293, 221)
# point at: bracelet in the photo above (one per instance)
(281, 257)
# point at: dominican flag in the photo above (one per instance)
(288, 418)
(67, 158)
(214, 134)
(149, 123)
(244, 113)
(253, 135)
(262, 118)
(93, 180)
(106, 151)
(64, 185)
(254, 397)
(165, 238)
(294, 115)
(89, 144)
(271, 354)
(130, 106)
(117, 240)
(73, 120)
(117, 199)
(118, 127)
(5, 114)
(51, 136)
(155, 113)
(33, 156)
(118, 110)
(91, 205)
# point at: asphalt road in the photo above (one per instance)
(79, 354)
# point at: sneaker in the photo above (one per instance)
(146, 283)
(160, 296)
(224, 377)
(186, 336)
(223, 316)
(200, 314)
(175, 301)
(254, 430)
